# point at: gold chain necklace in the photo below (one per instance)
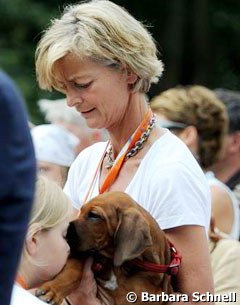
(134, 150)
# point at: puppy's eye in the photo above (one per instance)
(93, 216)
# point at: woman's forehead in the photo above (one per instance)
(73, 68)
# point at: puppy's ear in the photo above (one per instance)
(132, 237)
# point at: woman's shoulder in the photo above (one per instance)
(173, 158)
(174, 149)
(213, 181)
(221, 196)
(220, 188)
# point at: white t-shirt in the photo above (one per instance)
(212, 180)
(21, 296)
(169, 183)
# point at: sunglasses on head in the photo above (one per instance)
(171, 124)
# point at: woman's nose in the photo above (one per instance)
(73, 99)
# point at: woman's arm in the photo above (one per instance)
(195, 273)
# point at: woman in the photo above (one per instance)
(104, 61)
(196, 116)
(45, 249)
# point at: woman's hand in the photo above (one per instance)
(85, 294)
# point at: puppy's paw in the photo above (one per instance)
(49, 294)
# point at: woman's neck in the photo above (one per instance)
(135, 113)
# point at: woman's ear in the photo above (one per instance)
(131, 77)
(189, 136)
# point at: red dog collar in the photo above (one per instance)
(171, 269)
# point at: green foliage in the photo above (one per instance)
(198, 39)
(21, 24)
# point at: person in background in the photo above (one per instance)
(227, 168)
(45, 250)
(199, 118)
(55, 151)
(225, 262)
(57, 112)
(17, 176)
(105, 61)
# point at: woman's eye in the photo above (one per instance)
(82, 86)
(93, 216)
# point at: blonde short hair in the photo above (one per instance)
(51, 206)
(104, 32)
(198, 106)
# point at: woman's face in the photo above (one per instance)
(101, 94)
(52, 251)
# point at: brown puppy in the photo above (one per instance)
(116, 230)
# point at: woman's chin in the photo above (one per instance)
(94, 124)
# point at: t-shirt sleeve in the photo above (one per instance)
(180, 197)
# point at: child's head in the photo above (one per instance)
(55, 150)
(46, 250)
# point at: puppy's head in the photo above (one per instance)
(113, 224)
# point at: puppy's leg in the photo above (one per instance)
(63, 284)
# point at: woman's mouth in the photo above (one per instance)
(87, 111)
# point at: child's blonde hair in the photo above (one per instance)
(51, 206)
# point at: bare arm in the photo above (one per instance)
(195, 273)
(222, 209)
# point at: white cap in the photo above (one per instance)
(55, 144)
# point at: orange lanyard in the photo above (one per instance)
(114, 171)
(21, 282)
